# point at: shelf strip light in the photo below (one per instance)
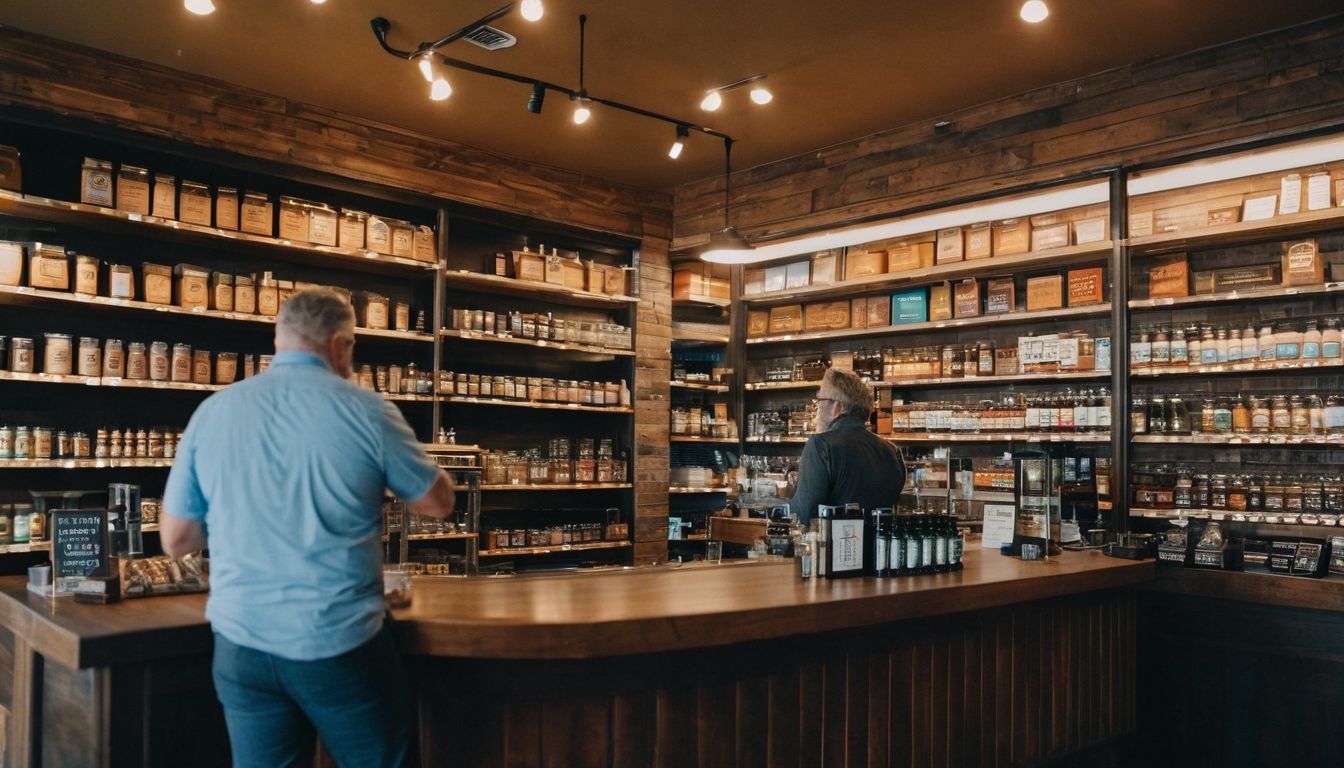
(1237, 166)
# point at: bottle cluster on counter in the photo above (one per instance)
(133, 189)
(541, 326)
(1297, 414)
(892, 543)
(561, 462)
(550, 536)
(24, 442)
(1068, 411)
(536, 389)
(1280, 344)
(1277, 495)
(113, 359)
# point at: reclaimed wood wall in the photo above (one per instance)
(1022, 685)
(1276, 84)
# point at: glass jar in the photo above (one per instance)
(63, 448)
(114, 359)
(1255, 494)
(1236, 493)
(1262, 417)
(1241, 417)
(1138, 416)
(1157, 415)
(6, 441)
(1183, 497)
(200, 367)
(1203, 492)
(1159, 353)
(80, 445)
(23, 443)
(1316, 415)
(160, 365)
(42, 443)
(1222, 417)
(1299, 416)
(1265, 343)
(1178, 420)
(1281, 419)
(90, 358)
(1274, 494)
(1206, 417)
(1218, 492)
(56, 354)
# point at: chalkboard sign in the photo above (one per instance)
(78, 545)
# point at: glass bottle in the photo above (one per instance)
(1330, 342)
(1311, 345)
(1222, 417)
(1138, 416)
(1178, 419)
(1262, 418)
(1250, 348)
(1234, 345)
(1299, 416)
(1265, 343)
(1208, 346)
(1160, 350)
(1157, 415)
(1241, 417)
(1194, 346)
(1334, 417)
(1140, 351)
(1180, 352)
(1281, 421)
(1220, 344)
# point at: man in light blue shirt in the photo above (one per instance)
(282, 476)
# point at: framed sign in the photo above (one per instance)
(79, 546)
(846, 547)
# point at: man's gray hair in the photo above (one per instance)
(314, 315)
(850, 391)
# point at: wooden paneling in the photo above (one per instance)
(1271, 85)
(653, 361)
(894, 694)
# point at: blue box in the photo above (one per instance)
(910, 306)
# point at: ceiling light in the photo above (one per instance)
(1034, 11)
(538, 97)
(760, 95)
(531, 10)
(319, 2)
(427, 66)
(440, 89)
(728, 246)
(712, 101)
(683, 133)
(199, 7)
(581, 110)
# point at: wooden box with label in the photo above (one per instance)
(617, 283)
(529, 266)
(256, 214)
(907, 257)
(940, 302)
(1086, 286)
(825, 267)
(1045, 292)
(226, 208)
(826, 316)
(1169, 277)
(48, 267)
(1011, 236)
(949, 246)
(554, 271)
(158, 283)
(1302, 264)
(193, 286)
(864, 263)
(1089, 230)
(1050, 236)
(858, 313)
(753, 282)
(371, 310)
(786, 319)
(758, 323)
(979, 242)
(575, 276)
(1000, 296)
(879, 311)
(966, 299)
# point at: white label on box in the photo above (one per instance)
(846, 545)
(1290, 194)
(1260, 208)
(1318, 191)
(998, 527)
(1089, 230)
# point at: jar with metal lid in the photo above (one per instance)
(80, 445)
(114, 359)
(42, 442)
(21, 355)
(160, 365)
(1203, 492)
(170, 444)
(1333, 495)
(181, 362)
(114, 444)
(1206, 416)
(1274, 487)
(380, 379)
(155, 443)
(1178, 420)
(23, 443)
(1157, 415)
(201, 372)
(1236, 493)
(90, 357)
(1241, 417)
(56, 354)
(1138, 416)
(100, 444)
(1222, 417)
(1281, 416)
(1255, 493)
(1313, 499)
(1218, 492)
(1183, 496)
(63, 447)
(364, 377)
(952, 362)
(474, 385)
(142, 443)
(1262, 417)
(1292, 494)
(6, 441)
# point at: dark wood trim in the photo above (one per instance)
(1252, 587)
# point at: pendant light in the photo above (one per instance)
(727, 246)
(199, 7)
(582, 110)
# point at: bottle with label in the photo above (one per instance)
(928, 543)
(1140, 351)
(1180, 353)
(941, 544)
(896, 545)
(1160, 350)
(1265, 342)
(1311, 345)
(956, 546)
(1330, 342)
(881, 557)
(914, 544)
(1250, 348)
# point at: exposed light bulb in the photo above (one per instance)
(1034, 11)
(427, 67)
(761, 96)
(712, 101)
(582, 113)
(531, 10)
(199, 7)
(677, 147)
(319, 2)
(440, 89)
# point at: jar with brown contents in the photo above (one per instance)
(90, 357)
(160, 366)
(181, 364)
(114, 359)
(200, 366)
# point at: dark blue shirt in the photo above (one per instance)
(847, 464)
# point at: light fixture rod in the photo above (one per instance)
(733, 86)
(727, 179)
(583, 24)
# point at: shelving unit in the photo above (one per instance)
(999, 437)
(537, 406)
(559, 548)
(1007, 318)
(558, 346)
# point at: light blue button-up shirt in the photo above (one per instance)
(287, 471)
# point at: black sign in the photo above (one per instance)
(78, 543)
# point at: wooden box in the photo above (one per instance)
(1169, 277)
(950, 244)
(48, 267)
(255, 214)
(1140, 223)
(1000, 296)
(1086, 286)
(940, 302)
(863, 263)
(1302, 264)
(907, 257)
(575, 276)
(979, 242)
(879, 312)
(737, 530)
(371, 310)
(753, 282)
(758, 323)
(529, 266)
(966, 299)
(826, 316)
(1089, 230)
(1011, 236)
(1253, 278)
(786, 319)
(158, 283)
(226, 210)
(797, 275)
(553, 272)
(617, 283)
(1051, 236)
(826, 267)
(858, 313)
(1045, 292)
(1180, 218)
(422, 244)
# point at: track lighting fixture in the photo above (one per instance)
(581, 110)
(426, 65)
(1034, 11)
(537, 99)
(759, 94)
(712, 101)
(199, 7)
(727, 246)
(440, 89)
(683, 133)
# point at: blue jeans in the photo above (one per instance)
(358, 702)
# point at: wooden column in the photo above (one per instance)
(653, 373)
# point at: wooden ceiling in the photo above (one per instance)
(839, 71)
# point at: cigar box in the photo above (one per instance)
(1011, 236)
(797, 275)
(527, 266)
(371, 310)
(863, 263)
(1169, 277)
(910, 306)
(940, 302)
(226, 208)
(1050, 236)
(193, 286)
(1089, 230)
(1045, 292)
(753, 282)
(775, 278)
(786, 319)
(1000, 296)
(553, 270)
(879, 312)
(950, 247)
(423, 246)
(11, 263)
(858, 312)
(1252, 278)
(758, 323)
(825, 267)
(48, 267)
(979, 242)
(1302, 264)
(826, 316)
(907, 257)
(158, 283)
(966, 299)
(1086, 286)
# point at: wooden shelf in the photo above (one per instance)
(35, 546)
(696, 439)
(960, 381)
(550, 292)
(700, 387)
(440, 536)
(988, 497)
(1000, 437)
(23, 295)
(555, 549)
(1241, 232)
(85, 463)
(1011, 318)
(111, 220)
(1055, 257)
(408, 398)
(790, 440)
(1234, 369)
(1182, 302)
(535, 405)
(681, 333)
(1255, 441)
(95, 381)
(780, 386)
(562, 346)
(688, 489)
(1290, 525)
(702, 301)
(568, 487)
